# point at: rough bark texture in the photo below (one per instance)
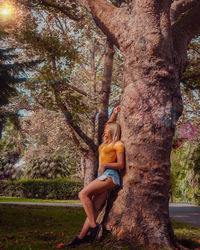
(105, 90)
(151, 104)
(155, 57)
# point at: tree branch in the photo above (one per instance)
(78, 90)
(59, 24)
(103, 12)
(189, 25)
(68, 115)
(75, 127)
(63, 9)
(179, 7)
(186, 78)
(183, 30)
(87, 74)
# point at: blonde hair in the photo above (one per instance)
(115, 131)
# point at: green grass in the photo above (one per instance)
(37, 227)
(188, 236)
(17, 199)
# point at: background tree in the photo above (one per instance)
(70, 76)
(186, 173)
(191, 77)
(49, 152)
(10, 148)
(185, 157)
(9, 80)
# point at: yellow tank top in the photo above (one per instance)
(108, 152)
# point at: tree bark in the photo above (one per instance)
(147, 119)
(89, 164)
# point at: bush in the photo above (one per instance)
(59, 189)
(185, 173)
(8, 171)
(52, 168)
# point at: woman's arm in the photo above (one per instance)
(114, 165)
(114, 114)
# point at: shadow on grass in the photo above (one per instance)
(187, 235)
(190, 244)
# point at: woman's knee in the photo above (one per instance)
(82, 194)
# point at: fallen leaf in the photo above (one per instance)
(60, 245)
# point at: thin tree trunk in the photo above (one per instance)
(89, 165)
(105, 90)
(1, 125)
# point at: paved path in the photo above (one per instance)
(44, 204)
(183, 212)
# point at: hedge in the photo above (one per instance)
(59, 189)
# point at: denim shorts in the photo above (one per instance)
(110, 173)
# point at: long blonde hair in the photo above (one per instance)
(115, 131)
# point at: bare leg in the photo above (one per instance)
(98, 201)
(94, 188)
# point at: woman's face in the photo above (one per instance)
(107, 132)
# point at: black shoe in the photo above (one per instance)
(94, 232)
(76, 241)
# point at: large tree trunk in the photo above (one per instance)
(149, 111)
(151, 105)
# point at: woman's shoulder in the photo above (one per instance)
(119, 146)
(119, 143)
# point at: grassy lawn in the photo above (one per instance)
(16, 199)
(39, 227)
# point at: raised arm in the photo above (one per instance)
(114, 114)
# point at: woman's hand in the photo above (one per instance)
(116, 110)
(102, 168)
(114, 114)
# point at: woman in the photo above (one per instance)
(94, 195)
